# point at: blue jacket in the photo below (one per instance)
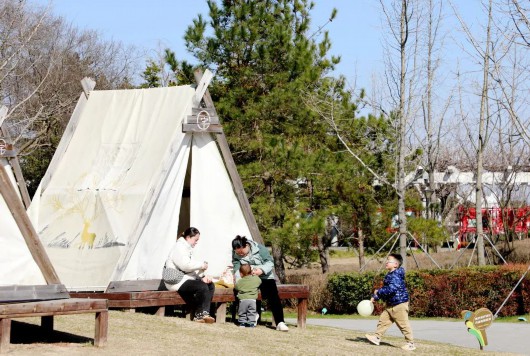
(394, 290)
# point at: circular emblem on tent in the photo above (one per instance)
(203, 120)
(2, 146)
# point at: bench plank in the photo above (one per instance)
(136, 285)
(52, 307)
(137, 294)
(23, 293)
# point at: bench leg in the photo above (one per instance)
(220, 313)
(161, 311)
(102, 325)
(46, 322)
(302, 312)
(5, 334)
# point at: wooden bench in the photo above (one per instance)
(148, 293)
(46, 302)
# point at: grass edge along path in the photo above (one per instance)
(142, 334)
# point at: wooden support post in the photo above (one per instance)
(15, 164)
(26, 228)
(5, 334)
(102, 324)
(302, 312)
(220, 314)
(161, 311)
(232, 170)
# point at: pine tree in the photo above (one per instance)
(263, 56)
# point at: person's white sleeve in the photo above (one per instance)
(181, 259)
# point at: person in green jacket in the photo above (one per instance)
(247, 293)
(246, 251)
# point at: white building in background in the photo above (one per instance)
(497, 186)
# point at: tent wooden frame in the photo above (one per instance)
(229, 162)
(38, 301)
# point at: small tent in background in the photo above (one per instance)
(22, 258)
(133, 169)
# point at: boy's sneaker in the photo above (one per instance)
(243, 325)
(409, 346)
(373, 339)
(199, 318)
(282, 327)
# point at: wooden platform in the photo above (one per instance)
(138, 294)
(47, 309)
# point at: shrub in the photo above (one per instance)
(319, 293)
(437, 293)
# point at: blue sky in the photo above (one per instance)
(154, 24)
(161, 23)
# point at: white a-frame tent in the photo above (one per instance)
(133, 169)
(23, 260)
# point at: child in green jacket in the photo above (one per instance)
(247, 293)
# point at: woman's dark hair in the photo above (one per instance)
(239, 242)
(190, 232)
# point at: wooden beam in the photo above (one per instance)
(14, 162)
(88, 84)
(202, 86)
(195, 128)
(232, 170)
(3, 114)
(26, 228)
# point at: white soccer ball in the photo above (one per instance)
(365, 308)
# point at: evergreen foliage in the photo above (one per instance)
(294, 168)
(264, 58)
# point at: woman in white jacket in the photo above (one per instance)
(194, 287)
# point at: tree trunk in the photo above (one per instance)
(323, 244)
(323, 252)
(277, 255)
(361, 248)
(482, 141)
(401, 136)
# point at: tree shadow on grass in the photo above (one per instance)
(25, 333)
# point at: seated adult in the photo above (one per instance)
(194, 287)
(246, 251)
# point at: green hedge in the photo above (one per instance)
(439, 293)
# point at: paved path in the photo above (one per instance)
(503, 337)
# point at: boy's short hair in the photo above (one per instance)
(398, 257)
(245, 270)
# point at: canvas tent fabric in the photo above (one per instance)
(111, 208)
(17, 266)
